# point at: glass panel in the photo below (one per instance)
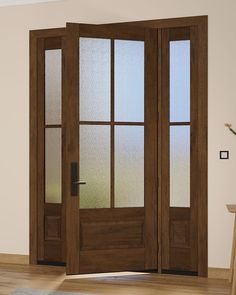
(95, 78)
(95, 166)
(53, 165)
(180, 166)
(180, 81)
(53, 86)
(129, 166)
(129, 81)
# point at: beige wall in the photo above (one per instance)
(15, 23)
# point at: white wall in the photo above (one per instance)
(15, 23)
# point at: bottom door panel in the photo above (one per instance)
(111, 239)
(183, 240)
(111, 260)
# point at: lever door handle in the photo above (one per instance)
(79, 182)
(74, 179)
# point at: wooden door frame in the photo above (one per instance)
(200, 23)
(36, 121)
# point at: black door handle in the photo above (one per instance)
(74, 177)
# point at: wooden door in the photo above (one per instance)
(180, 150)
(110, 148)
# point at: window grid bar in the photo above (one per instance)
(52, 126)
(111, 123)
(112, 173)
(179, 123)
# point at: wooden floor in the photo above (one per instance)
(53, 278)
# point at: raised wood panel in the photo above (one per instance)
(53, 251)
(111, 235)
(52, 228)
(112, 239)
(111, 260)
(53, 237)
(180, 234)
(180, 259)
(111, 227)
(180, 237)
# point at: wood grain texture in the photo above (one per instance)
(33, 226)
(194, 147)
(112, 260)
(93, 237)
(41, 146)
(111, 228)
(14, 258)
(164, 175)
(218, 273)
(166, 23)
(233, 250)
(196, 259)
(40, 40)
(159, 149)
(53, 278)
(110, 31)
(121, 234)
(71, 145)
(151, 149)
(53, 228)
(198, 28)
(202, 147)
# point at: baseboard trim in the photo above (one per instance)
(14, 258)
(218, 273)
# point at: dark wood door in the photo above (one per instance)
(180, 150)
(110, 148)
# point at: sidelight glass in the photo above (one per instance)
(53, 86)
(180, 166)
(53, 165)
(180, 81)
(95, 79)
(129, 166)
(94, 166)
(129, 81)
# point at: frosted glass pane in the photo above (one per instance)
(180, 166)
(95, 166)
(180, 81)
(129, 166)
(53, 86)
(95, 78)
(129, 81)
(53, 165)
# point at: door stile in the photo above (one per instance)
(150, 149)
(159, 156)
(165, 179)
(71, 145)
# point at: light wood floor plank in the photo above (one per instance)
(14, 276)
